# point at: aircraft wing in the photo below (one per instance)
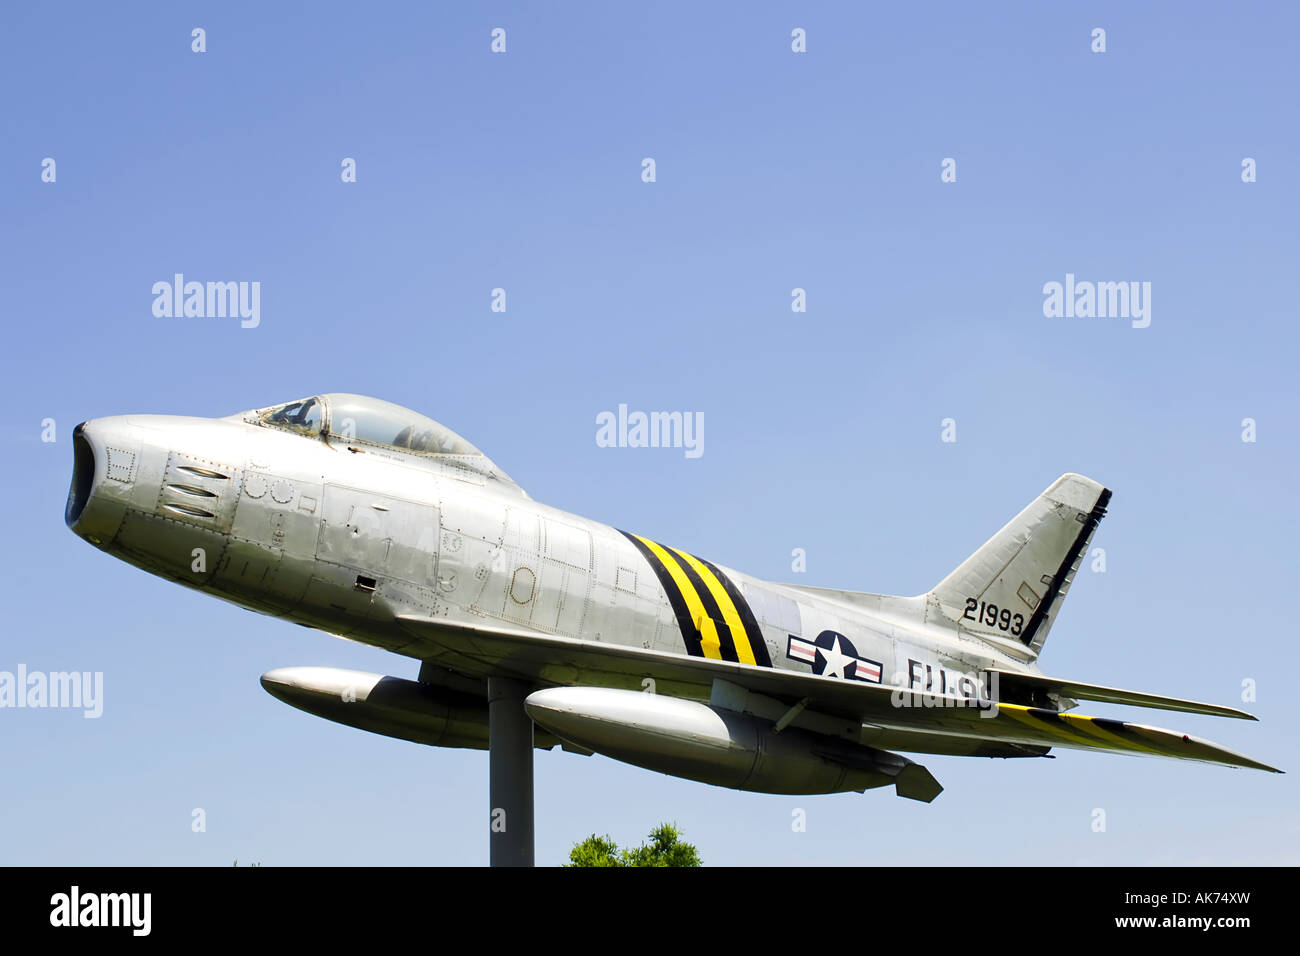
(564, 661)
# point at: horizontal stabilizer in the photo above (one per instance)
(1011, 682)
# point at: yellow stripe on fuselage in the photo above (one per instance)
(709, 643)
(729, 613)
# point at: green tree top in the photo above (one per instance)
(664, 849)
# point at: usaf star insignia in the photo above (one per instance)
(833, 655)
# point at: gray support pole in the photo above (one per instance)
(510, 772)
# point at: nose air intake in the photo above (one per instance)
(83, 476)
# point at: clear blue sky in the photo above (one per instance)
(774, 171)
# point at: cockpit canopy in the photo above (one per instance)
(366, 421)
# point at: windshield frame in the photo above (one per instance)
(342, 415)
(263, 417)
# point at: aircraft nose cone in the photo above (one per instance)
(102, 455)
(83, 475)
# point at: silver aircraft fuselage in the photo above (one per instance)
(347, 537)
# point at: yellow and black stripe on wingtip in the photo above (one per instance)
(1077, 729)
(713, 616)
(1103, 733)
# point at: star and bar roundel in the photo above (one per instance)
(833, 655)
(714, 618)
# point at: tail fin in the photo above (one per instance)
(1011, 589)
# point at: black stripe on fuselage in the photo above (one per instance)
(752, 630)
(726, 643)
(690, 633)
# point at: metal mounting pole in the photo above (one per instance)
(510, 772)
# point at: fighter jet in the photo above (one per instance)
(535, 627)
